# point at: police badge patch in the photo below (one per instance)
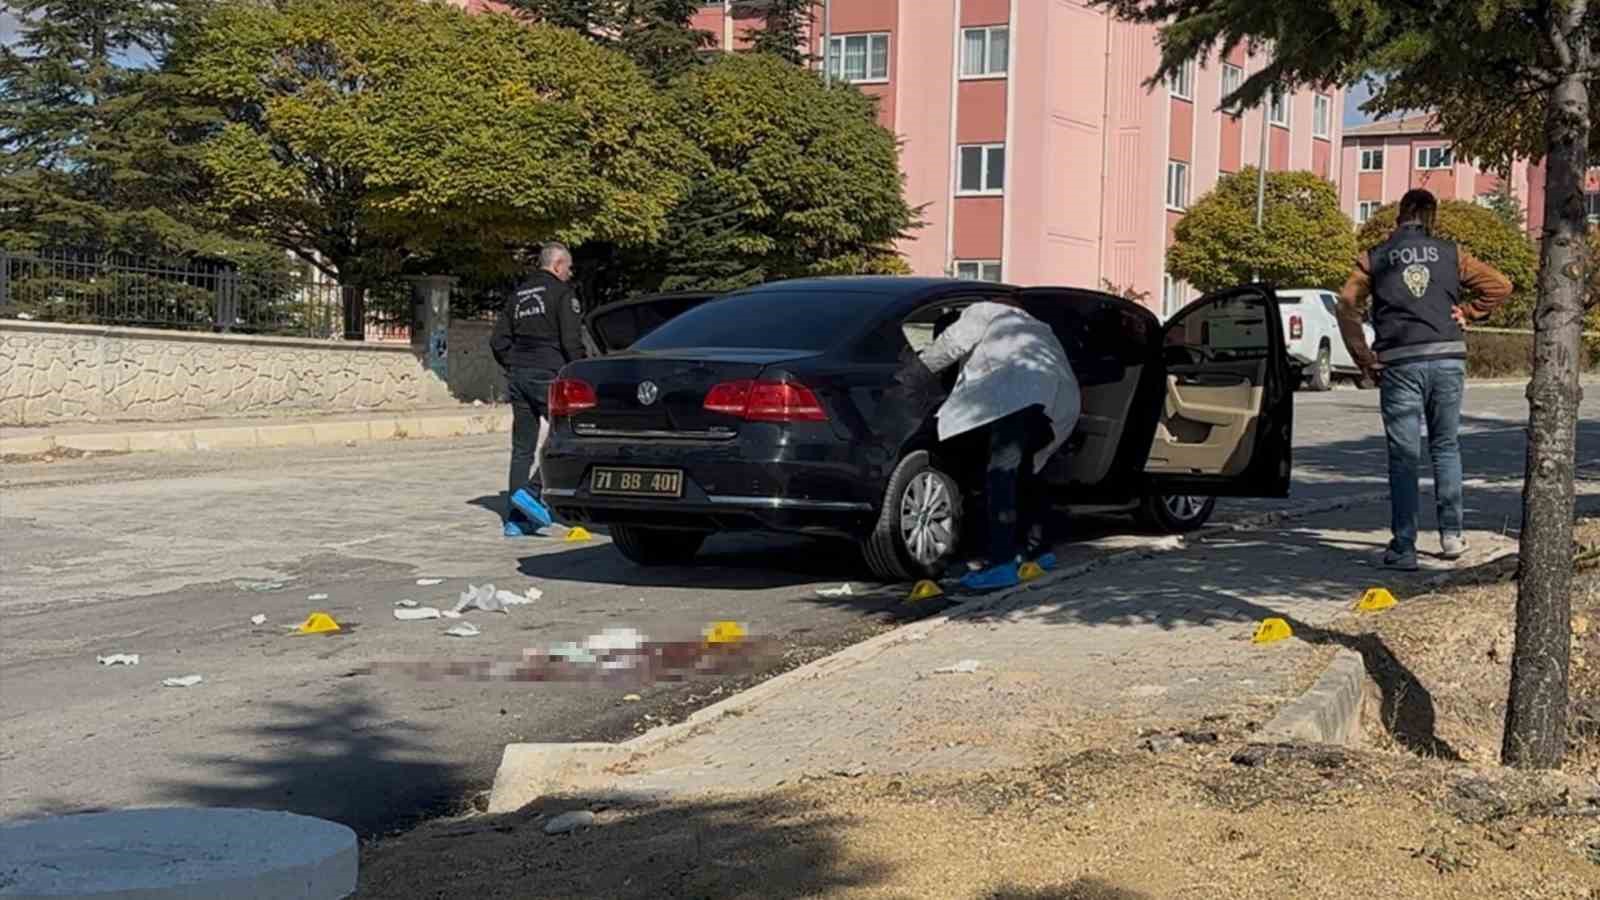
(1417, 277)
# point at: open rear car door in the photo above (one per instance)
(1228, 419)
(617, 326)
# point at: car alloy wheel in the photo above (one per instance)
(927, 518)
(1184, 508)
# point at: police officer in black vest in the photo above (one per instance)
(1422, 290)
(538, 331)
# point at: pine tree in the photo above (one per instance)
(87, 126)
(785, 27)
(655, 34)
(1505, 204)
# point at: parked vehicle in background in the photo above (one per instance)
(765, 410)
(1311, 329)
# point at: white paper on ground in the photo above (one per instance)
(406, 604)
(429, 582)
(449, 614)
(316, 597)
(485, 598)
(964, 667)
(118, 659)
(258, 619)
(843, 590)
(465, 630)
(185, 681)
(413, 615)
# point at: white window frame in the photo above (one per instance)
(836, 57)
(983, 173)
(1278, 97)
(1174, 296)
(1366, 209)
(1322, 116)
(987, 68)
(980, 268)
(1364, 161)
(1181, 203)
(1180, 84)
(1425, 159)
(1237, 73)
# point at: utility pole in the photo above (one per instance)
(1261, 170)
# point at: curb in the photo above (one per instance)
(250, 437)
(1329, 713)
(532, 770)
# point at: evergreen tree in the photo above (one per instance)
(655, 34)
(1505, 203)
(87, 121)
(784, 30)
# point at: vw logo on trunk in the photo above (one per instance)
(648, 392)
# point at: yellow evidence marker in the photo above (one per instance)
(724, 633)
(1376, 600)
(318, 623)
(925, 590)
(578, 533)
(1030, 571)
(1271, 630)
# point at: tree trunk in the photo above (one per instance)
(1536, 716)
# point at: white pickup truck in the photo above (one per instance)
(1311, 327)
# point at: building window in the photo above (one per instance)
(1181, 83)
(985, 52)
(978, 269)
(1435, 158)
(1372, 160)
(1173, 293)
(1321, 116)
(1177, 185)
(1232, 80)
(1278, 107)
(859, 58)
(982, 169)
(1366, 209)
(1591, 202)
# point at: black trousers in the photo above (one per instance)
(1017, 498)
(529, 391)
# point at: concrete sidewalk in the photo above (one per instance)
(1152, 638)
(249, 433)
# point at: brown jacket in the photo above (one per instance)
(1477, 277)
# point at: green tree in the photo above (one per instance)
(797, 180)
(1486, 235)
(1307, 242)
(1507, 78)
(1505, 203)
(363, 136)
(785, 25)
(658, 35)
(86, 120)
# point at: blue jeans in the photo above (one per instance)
(1412, 393)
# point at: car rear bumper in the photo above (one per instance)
(740, 484)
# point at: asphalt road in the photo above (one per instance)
(155, 555)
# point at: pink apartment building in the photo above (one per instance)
(1380, 161)
(1029, 139)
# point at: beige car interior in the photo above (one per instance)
(1208, 424)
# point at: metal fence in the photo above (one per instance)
(194, 295)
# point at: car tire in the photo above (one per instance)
(901, 550)
(1321, 375)
(1175, 515)
(657, 546)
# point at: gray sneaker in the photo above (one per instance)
(1402, 560)
(1452, 547)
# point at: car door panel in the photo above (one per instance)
(1228, 410)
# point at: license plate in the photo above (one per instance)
(636, 482)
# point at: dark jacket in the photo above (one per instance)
(1415, 281)
(540, 326)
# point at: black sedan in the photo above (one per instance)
(771, 409)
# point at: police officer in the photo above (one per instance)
(537, 333)
(1417, 284)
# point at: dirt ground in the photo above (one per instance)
(1422, 812)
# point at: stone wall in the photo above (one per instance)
(53, 373)
(474, 375)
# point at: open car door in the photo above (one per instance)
(617, 326)
(1227, 423)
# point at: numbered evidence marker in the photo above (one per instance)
(578, 533)
(1376, 600)
(924, 590)
(1271, 630)
(318, 623)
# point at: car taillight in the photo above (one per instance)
(1297, 328)
(569, 396)
(765, 401)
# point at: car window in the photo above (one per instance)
(924, 326)
(770, 320)
(1226, 329)
(1331, 305)
(619, 328)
